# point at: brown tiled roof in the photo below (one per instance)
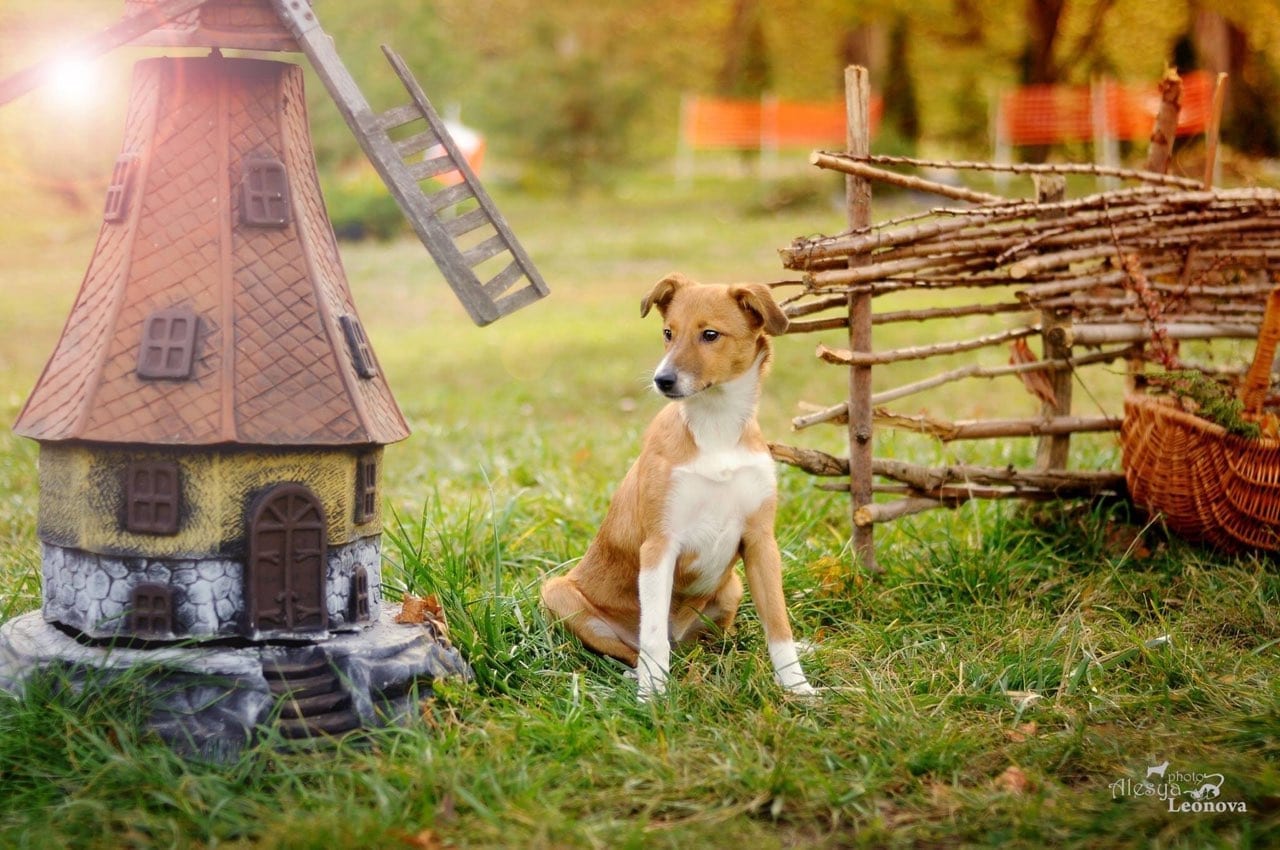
(272, 365)
(250, 24)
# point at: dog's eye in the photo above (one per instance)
(710, 335)
(666, 334)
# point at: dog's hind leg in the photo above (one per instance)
(565, 602)
(723, 607)
(717, 614)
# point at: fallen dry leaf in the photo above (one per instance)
(835, 577)
(1013, 780)
(1125, 540)
(424, 840)
(1037, 383)
(423, 610)
(447, 810)
(943, 796)
(1021, 732)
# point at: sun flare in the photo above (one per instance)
(73, 80)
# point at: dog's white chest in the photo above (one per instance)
(707, 509)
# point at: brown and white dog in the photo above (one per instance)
(702, 494)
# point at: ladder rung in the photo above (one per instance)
(491, 247)
(417, 143)
(399, 116)
(428, 168)
(502, 281)
(467, 222)
(522, 297)
(448, 197)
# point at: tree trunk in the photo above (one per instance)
(1043, 18)
(746, 71)
(901, 109)
(1249, 122)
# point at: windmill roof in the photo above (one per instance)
(271, 361)
(246, 24)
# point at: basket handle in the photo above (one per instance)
(1258, 378)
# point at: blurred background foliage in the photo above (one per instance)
(572, 94)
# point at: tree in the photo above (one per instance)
(568, 111)
(746, 71)
(1043, 60)
(1250, 123)
(901, 108)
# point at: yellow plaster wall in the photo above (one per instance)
(82, 496)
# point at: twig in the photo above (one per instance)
(947, 497)
(1105, 334)
(981, 429)
(975, 370)
(1211, 133)
(850, 165)
(910, 316)
(811, 461)
(836, 414)
(1061, 481)
(845, 357)
(1034, 168)
(1166, 126)
(888, 511)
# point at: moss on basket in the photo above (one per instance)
(1206, 398)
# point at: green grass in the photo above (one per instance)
(986, 690)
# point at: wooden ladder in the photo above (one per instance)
(409, 146)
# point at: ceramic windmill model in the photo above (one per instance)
(212, 420)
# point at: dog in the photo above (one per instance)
(1209, 790)
(701, 495)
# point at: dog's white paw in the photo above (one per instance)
(649, 684)
(804, 647)
(804, 690)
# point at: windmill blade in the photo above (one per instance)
(121, 32)
(493, 276)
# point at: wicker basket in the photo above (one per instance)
(1211, 486)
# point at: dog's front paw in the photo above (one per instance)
(803, 689)
(649, 684)
(646, 693)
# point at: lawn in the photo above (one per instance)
(1007, 681)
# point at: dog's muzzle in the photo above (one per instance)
(665, 382)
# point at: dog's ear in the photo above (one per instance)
(663, 292)
(757, 301)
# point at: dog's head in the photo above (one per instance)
(713, 333)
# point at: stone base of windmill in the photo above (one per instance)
(211, 701)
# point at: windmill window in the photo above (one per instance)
(168, 344)
(360, 595)
(152, 497)
(367, 487)
(117, 205)
(361, 351)
(264, 193)
(151, 610)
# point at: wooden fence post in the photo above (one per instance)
(1054, 450)
(1106, 146)
(857, 93)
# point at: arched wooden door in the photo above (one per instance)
(286, 570)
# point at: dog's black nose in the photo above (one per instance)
(665, 382)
